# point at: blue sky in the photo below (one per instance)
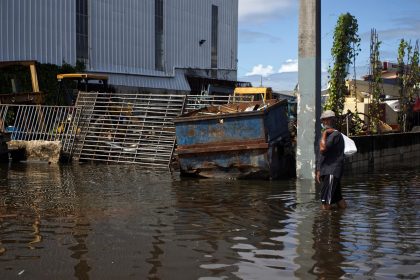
(268, 31)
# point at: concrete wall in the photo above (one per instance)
(384, 151)
(35, 150)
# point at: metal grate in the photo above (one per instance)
(85, 105)
(36, 122)
(127, 128)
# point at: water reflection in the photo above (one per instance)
(23, 233)
(327, 243)
(104, 222)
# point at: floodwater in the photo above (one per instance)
(124, 222)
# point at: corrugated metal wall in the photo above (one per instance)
(189, 21)
(42, 30)
(121, 34)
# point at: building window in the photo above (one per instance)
(214, 35)
(82, 46)
(159, 49)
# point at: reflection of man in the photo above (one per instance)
(328, 245)
(330, 162)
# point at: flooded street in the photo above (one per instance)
(122, 222)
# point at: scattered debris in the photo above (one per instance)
(233, 108)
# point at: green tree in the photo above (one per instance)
(47, 78)
(409, 79)
(346, 47)
(375, 83)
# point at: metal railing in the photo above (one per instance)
(36, 122)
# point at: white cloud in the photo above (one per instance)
(250, 10)
(261, 70)
(291, 65)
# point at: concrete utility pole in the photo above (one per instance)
(309, 96)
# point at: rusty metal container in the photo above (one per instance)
(247, 140)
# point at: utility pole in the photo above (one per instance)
(309, 93)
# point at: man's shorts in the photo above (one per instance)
(331, 190)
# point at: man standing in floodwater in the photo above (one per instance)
(329, 169)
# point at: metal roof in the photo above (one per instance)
(178, 82)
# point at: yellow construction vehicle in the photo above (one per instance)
(70, 84)
(12, 94)
(255, 93)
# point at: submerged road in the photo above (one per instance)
(120, 222)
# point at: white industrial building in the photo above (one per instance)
(153, 44)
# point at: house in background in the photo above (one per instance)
(360, 95)
(151, 45)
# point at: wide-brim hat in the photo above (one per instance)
(327, 114)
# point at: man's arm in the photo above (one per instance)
(324, 145)
(318, 176)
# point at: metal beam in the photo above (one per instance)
(309, 96)
(34, 78)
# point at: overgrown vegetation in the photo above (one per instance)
(346, 47)
(409, 79)
(375, 84)
(47, 78)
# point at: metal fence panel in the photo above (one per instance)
(108, 127)
(36, 122)
(127, 128)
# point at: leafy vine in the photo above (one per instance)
(409, 79)
(346, 47)
(375, 84)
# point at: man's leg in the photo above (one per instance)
(342, 204)
(331, 193)
(338, 197)
(326, 192)
(326, 206)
